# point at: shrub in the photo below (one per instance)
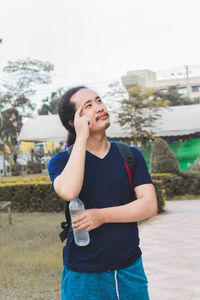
(190, 182)
(33, 167)
(187, 182)
(171, 183)
(163, 160)
(16, 170)
(161, 195)
(34, 197)
(195, 166)
(31, 197)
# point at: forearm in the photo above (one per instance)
(134, 211)
(69, 183)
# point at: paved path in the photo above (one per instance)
(171, 252)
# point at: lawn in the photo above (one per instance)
(30, 256)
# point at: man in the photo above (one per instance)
(110, 267)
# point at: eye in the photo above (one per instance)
(88, 105)
(99, 100)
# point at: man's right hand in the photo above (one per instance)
(82, 124)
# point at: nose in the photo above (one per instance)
(99, 107)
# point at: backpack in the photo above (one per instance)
(129, 162)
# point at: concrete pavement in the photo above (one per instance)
(171, 252)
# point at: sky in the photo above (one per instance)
(95, 42)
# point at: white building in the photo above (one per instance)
(186, 78)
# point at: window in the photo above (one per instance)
(197, 100)
(196, 88)
(182, 90)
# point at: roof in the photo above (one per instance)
(175, 121)
(179, 120)
(43, 128)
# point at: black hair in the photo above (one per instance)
(66, 111)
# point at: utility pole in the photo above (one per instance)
(4, 138)
(187, 82)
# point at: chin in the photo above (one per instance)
(107, 124)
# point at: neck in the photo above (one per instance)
(98, 144)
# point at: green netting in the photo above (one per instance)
(185, 152)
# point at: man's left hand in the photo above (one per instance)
(89, 220)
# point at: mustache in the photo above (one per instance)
(103, 114)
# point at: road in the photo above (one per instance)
(171, 252)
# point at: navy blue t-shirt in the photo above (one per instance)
(112, 246)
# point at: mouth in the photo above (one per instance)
(102, 116)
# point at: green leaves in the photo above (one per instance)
(15, 99)
(139, 109)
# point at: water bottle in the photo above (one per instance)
(76, 208)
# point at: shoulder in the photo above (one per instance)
(127, 150)
(59, 159)
(137, 153)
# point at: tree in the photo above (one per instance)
(15, 102)
(139, 109)
(25, 75)
(171, 95)
(50, 103)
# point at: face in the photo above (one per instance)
(92, 107)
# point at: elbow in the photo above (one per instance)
(155, 212)
(67, 196)
(154, 209)
(64, 193)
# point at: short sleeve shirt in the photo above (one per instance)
(106, 184)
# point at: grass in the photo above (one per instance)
(30, 256)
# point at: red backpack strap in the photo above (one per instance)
(129, 162)
(129, 177)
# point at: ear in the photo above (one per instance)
(71, 123)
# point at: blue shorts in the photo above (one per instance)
(124, 284)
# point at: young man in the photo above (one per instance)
(110, 267)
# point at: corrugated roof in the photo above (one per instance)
(175, 121)
(43, 128)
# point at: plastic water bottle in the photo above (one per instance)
(76, 208)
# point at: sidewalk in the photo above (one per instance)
(171, 252)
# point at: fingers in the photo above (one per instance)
(78, 112)
(87, 221)
(82, 222)
(86, 226)
(78, 116)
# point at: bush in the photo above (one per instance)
(161, 195)
(187, 182)
(31, 197)
(190, 182)
(195, 166)
(171, 183)
(33, 167)
(163, 160)
(36, 197)
(16, 170)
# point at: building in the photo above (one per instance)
(179, 125)
(186, 78)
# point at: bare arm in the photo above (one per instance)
(144, 207)
(69, 183)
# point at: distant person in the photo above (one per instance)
(110, 267)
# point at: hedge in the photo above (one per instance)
(41, 197)
(31, 197)
(186, 182)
